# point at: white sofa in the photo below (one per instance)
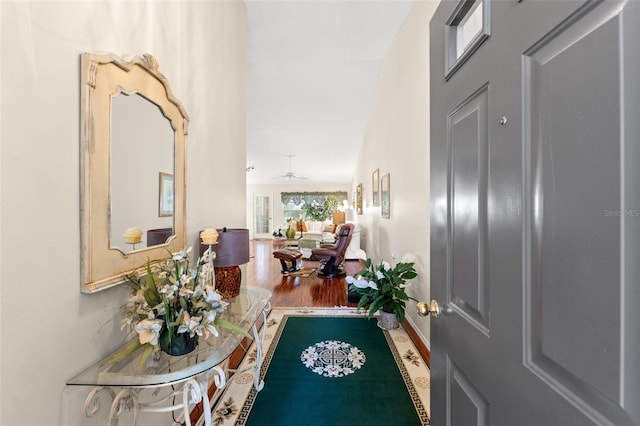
(321, 231)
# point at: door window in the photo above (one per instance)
(467, 28)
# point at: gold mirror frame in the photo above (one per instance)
(102, 77)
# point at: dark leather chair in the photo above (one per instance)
(158, 236)
(331, 256)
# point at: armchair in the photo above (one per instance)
(158, 236)
(331, 256)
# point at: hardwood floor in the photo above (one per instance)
(264, 270)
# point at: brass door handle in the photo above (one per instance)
(426, 309)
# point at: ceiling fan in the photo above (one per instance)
(290, 175)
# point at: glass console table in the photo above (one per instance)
(188, 376)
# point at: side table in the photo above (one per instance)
(291, 242)
(188, 375)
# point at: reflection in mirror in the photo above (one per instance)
(142, 146)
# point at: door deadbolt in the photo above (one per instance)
(426, 309)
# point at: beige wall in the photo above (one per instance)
(49, 330)
(396, 141)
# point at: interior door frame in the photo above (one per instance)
(254, 217)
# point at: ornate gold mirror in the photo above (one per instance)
(133, 167)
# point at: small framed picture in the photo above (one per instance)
(375, 187)
(359, 199)
(165, 195)
(385, 196)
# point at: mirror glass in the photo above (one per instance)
(133, 138)
(141, 171)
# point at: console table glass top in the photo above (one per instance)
(160, 368)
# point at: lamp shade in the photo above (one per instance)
(232, 248)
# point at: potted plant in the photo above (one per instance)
(382, 288)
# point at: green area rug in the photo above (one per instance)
(329, 367)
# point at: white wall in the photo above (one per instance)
(49, 330)
(396, 141)
(275, 192)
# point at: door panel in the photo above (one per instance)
(574, 204)
(467, 405)
(468, 285)
(535, 217)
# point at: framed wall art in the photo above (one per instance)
(359, 199)
(385, 196)
(375, 187)
(165, 195)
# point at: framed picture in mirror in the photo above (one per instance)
(165, 195)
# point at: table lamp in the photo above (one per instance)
(338, 218)
(232, 250)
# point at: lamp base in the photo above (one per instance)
(228, 279)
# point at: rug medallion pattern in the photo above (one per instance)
(235, 403)
(333, 358)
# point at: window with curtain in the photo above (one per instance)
(294, 202)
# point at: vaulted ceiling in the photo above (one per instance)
(312, 70)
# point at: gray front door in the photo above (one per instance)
(535, 217)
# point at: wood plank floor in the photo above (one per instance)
(264, 270)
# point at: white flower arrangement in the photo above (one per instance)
(171, 306)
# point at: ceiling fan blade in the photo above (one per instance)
(290, 175)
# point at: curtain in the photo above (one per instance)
(310, 197)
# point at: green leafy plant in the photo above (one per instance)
(382, 287)
(321, 212)
(170, 301)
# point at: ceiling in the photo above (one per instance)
(312, 70)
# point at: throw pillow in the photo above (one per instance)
(330, 228)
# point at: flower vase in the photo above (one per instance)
(388, 321)
(290, 232)
(178, 343)
(278, 243)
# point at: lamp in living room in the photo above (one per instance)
(338, 217)
(232, 250)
